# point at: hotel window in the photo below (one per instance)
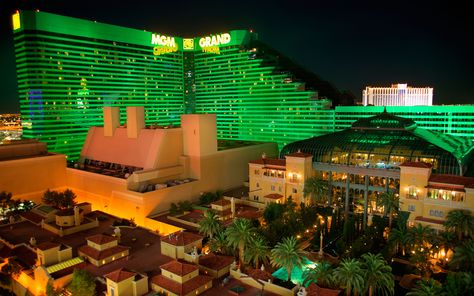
(411, 208)
(257, 185)
(273, 187)
(436, 213)
(255, 197)
(257, 172)
(412, 192)
(294, 190)
(279, 188)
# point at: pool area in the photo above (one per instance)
(296, 273)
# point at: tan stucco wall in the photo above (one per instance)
(124, 288)
(48, 172)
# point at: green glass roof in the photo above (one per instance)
(385, 137)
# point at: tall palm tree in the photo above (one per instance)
(461, 221)
(288, 253)
(350, 276)
(463, 257)
(426, 288)
(378, 275)
(239, 234)
(257, 251)
(210, 224)
(400, 238)
(390, 201)
(316, 188)
(322, 274)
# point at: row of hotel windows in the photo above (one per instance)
(439, 194)
(277, 174)
(273, 188)
(433, 213)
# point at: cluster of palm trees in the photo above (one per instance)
(370, 275)
(11, 207)
(252, 247)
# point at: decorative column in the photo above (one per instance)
(366, 189)
(330, 188)
(346, 207)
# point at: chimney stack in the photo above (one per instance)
(111, 120)
(135, 121)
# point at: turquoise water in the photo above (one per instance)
(296, 273)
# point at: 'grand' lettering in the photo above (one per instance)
(214, 40)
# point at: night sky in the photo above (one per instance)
(351, 44)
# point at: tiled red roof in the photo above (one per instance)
(250, 214)
(182, 289)
(273, 196)
(101, 239)
(429, 220)
(25, 256)
(416, 164)
(259, 274)
(99, 255)
(299, 154)
(315, 290)
(221, 202)
(181, 238)
(215, 262)
(179, 268)
(33, 217)
(452, 179)
(270, 162)
(47, 245)
(67, 212)
(119, 275)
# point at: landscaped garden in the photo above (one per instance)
(328, 246)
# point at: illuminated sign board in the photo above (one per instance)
(188, 43)
(214, 40)
(165, 44)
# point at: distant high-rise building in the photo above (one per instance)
(397, 95)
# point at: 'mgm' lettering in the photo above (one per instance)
(214, 40)
(162, 40)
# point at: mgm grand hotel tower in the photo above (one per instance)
(68, 69)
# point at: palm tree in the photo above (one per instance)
(426, 288)
(239, 234)
(461, 221)
(317, 188)
(322, 274)
(390, 202)
(400, 238)
(420, 235)
(210, 224)
(463, 257)
(219, 243)
(288, 254)
(257, 251)
(378, 275)
(459, 283)
(350, 276)
(5, 202)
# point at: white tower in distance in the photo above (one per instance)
(397, 95)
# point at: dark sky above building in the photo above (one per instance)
(352, 44)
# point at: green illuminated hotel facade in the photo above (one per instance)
(69, 68)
